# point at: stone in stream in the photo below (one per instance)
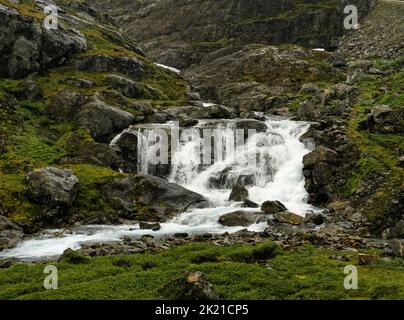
(149, 226)
(149, 198)
(238, 193)
(240, 219)
(249, 204)
(272, 207)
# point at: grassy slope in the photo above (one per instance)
(380, 153)
(241, 272)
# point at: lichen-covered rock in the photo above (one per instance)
(53, 186)
(27, 47)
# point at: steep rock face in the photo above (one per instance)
(27, 47)
(186, 30)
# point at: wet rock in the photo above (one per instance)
(103, 120)
(150, 226)
(148, 198)
(272, 207)
(10, 233)
(250, 124)
(189, 286)
(53, 186)
(239, 219)
(129, 66)
(320, 154)
(238, 194)
(288, 217)
(249, 204)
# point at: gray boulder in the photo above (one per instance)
(240, 219)
(52, 186)
(125, 86)
(103, 120)
(272, 207)
(27, 47)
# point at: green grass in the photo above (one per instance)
(303, 273)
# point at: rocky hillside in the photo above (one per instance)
(188, 30)
(63, 95)
(380, 35)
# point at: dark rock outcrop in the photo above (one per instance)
(384, 119)
(238, 193)
(148, 198)
(10, 233)
(103, 120)
(272, 207)
(27, 47)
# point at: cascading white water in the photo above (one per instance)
(276, 174)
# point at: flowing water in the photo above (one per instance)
(273, 170)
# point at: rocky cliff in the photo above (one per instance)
(187, 30)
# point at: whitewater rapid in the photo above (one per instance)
(276, 175)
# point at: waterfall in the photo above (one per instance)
(269, 164)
